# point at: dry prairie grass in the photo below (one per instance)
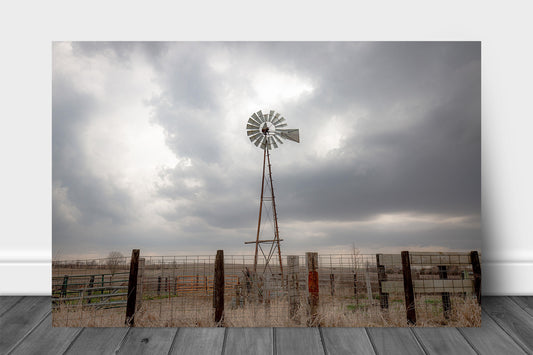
(338, 313)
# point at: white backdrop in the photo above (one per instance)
(27, 30)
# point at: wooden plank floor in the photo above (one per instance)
(26, 328)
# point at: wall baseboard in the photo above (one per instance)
(504, 278)
(26, 278)
(34, 278)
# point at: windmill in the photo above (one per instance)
(267, 132)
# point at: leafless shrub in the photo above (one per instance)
(114, 261)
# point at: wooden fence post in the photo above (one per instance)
(64, 286)
(382, 276)
(446, 305)
(464, 276)
(167, 283)
(332, 284)
(408, 289)
(238, 295)
(132, 288)
(368, 286)
(312, 286)
(355, 287)
(293, 264)
(218, 294)
(140, 283)
(476, 269)
(90, 291)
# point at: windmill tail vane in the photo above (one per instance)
(268, 131)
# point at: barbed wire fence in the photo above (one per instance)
(315, 290)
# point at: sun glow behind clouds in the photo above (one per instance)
(129, 151)
(127, 148)
(274, 86)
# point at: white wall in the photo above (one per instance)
(25, 133)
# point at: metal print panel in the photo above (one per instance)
(285, 184)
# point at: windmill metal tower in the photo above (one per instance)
(266, 132)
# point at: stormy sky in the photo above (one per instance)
(149, 148)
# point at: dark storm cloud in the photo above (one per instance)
(187, 128)
(410, 122)
(224, 198)
(188, 107)
(418, 147)
(433, 166)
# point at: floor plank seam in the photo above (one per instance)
(28, 333)
(322, 341)
(123, 341)
(371, 340)
(173, 341)
(468, 341)
(274, 345)
(517, 341)
(224, 340)
(525, 308)
(73, 341)
(13, 305)
(418, 341)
